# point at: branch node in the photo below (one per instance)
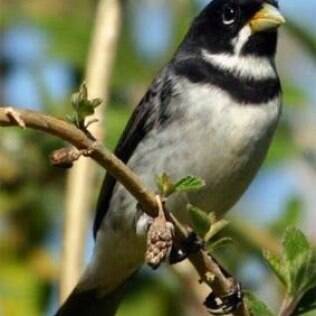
(15, 116)
(65, 157)
(84, 128)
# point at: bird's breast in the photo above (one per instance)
(222, 141)
(209, 136)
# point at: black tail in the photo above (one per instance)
(91, 303)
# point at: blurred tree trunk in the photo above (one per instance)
(194, 293)
(81, 178)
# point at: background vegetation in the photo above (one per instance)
(42, 59)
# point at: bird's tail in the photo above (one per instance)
(91, 303)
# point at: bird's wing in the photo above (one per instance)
(150, 113)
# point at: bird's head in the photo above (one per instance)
(241, 27)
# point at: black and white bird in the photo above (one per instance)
(211, 112)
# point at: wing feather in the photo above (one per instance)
(148, 114)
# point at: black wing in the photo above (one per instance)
(150, 112)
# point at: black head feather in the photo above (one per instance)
(220, 22)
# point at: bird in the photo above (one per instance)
(211, 112)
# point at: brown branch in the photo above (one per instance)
(202, 262)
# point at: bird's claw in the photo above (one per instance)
(225, 304)
(190, 245)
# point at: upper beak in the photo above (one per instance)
(268, 17)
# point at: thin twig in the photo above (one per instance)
(202, 262)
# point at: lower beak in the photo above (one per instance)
(268, 17)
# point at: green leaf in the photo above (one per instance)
(299, 260)
(96, 102)
(85, 109)
(200, 220)
(296, 268)
(72, 118)
(305, 276)
(277, 266)
(189, 183)
(295, 244)
(165, 185)
(83, 106)
(256, 307)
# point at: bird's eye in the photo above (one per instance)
(230, 14)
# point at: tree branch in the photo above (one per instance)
(201, 260)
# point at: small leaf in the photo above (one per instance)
(83, 91)
(165, 185)
(295, 244)
(277, 266)
(189, 183)
(71, 118)
(215, 228)
(256, 307)
(79, 96)
(296, 269)
(75, 99)
(83, 107)
(96, 102)
(213, 217)
(200, 220)
(306, 275)
(299, 261)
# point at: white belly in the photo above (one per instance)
(217, 139)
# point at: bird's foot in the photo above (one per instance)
(190, 245)
(159, 239)
(223, 305)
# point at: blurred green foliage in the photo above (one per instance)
(31, 191)
(149, 295)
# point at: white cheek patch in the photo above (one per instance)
(241, 39)
(242, 66)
